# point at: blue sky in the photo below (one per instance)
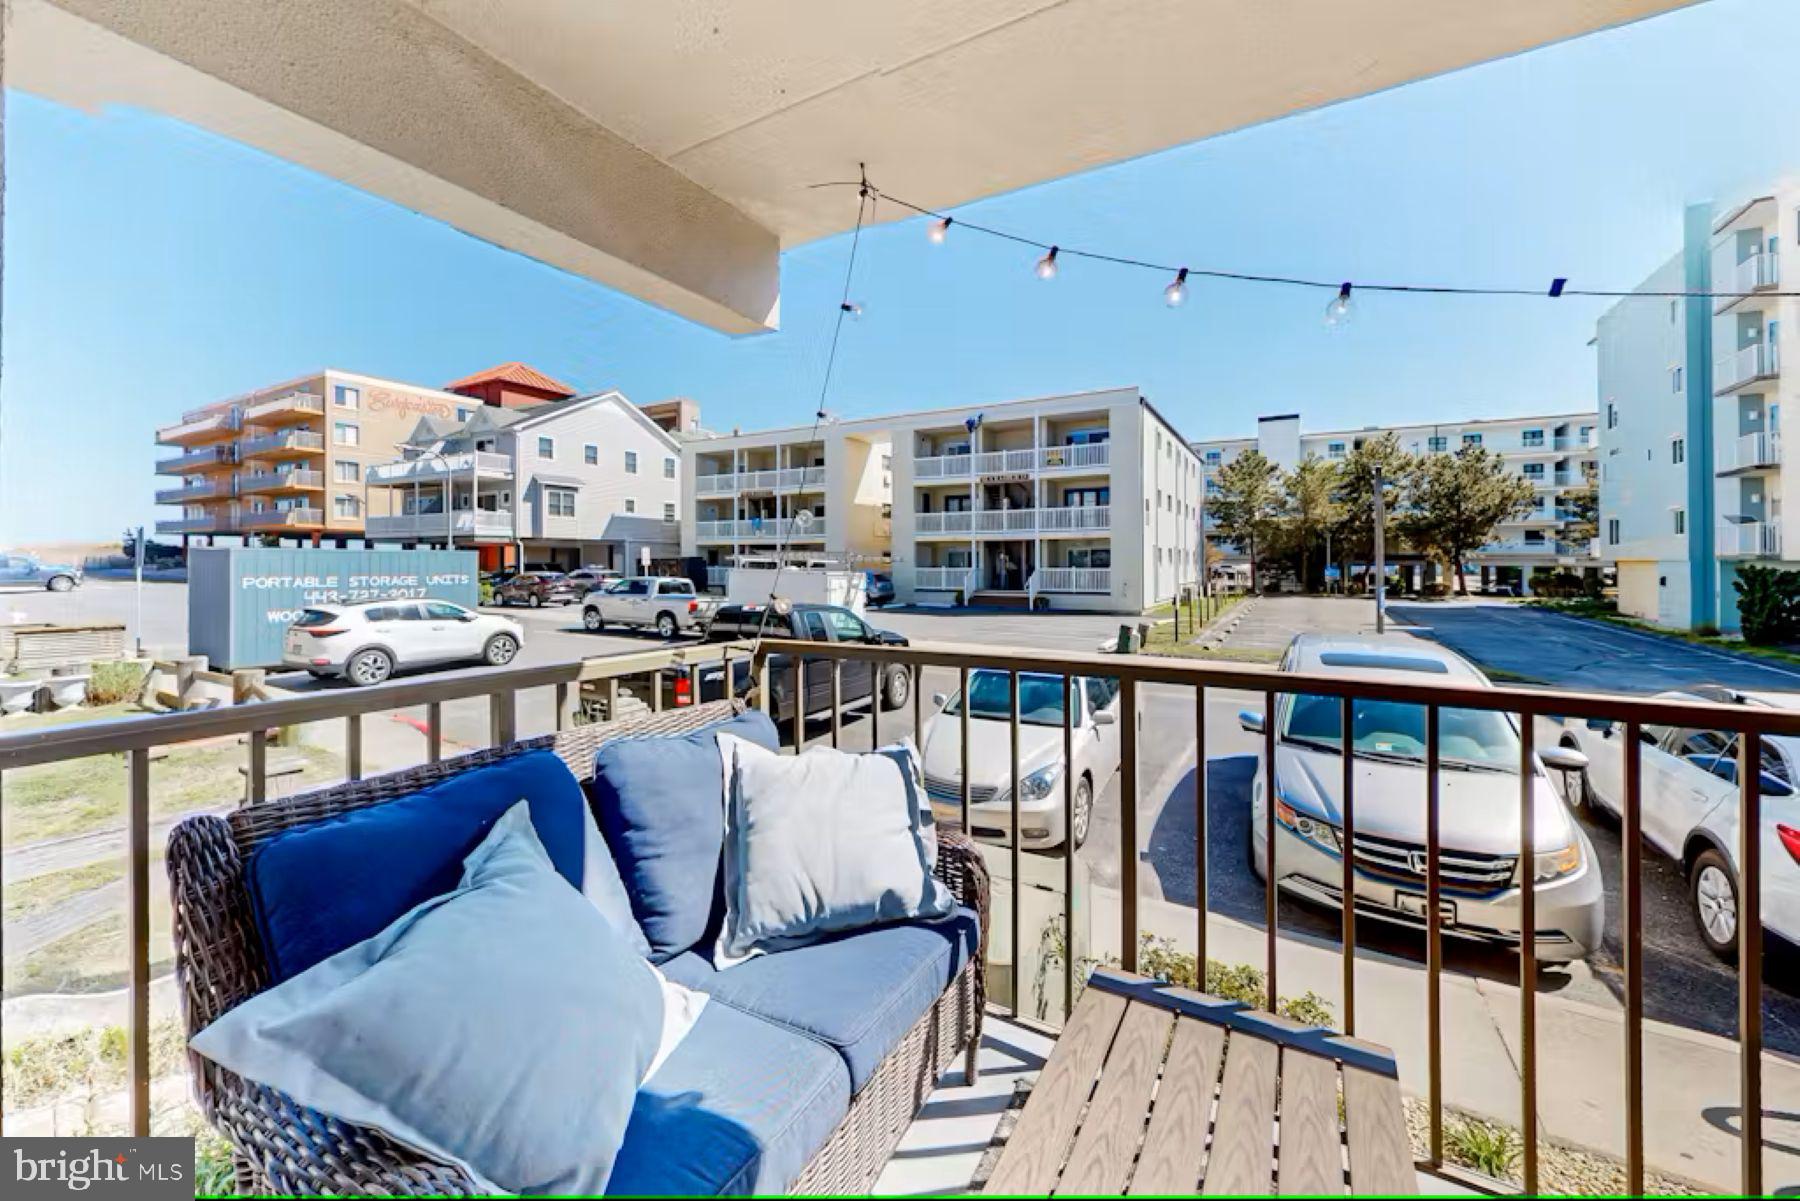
(151, 267)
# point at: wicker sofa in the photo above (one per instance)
(284, 1148)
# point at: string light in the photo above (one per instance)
(851, 309)
(938, 229)
(1176, 293)
(1046, 266)
(1338, 311)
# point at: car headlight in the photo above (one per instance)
(1315, 830)
(1038, 784)
(1553, 865)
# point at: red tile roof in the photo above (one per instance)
(513, 373)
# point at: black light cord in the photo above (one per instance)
(1558, 287)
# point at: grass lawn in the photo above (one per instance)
(1162, 640)
(92, 959)
(42, 892)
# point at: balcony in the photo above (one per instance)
(1073, 579)
(479, 524)
(199, 488)
(1749, 540)
(1758, 273)
(485, 464)
(200, 427)
(940, 579)
(1758, 361)
(758, 529)
(1575, 441)
(204, 458)
(280, 519)
(297, 480)
(286, 442)
(1518, 546)
(283, 410)
(1089, 456)
(1070, 520)
(211, 523)
(1751, 452)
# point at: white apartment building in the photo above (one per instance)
(1026, 502)
(1555, 452)
(1691, 393)
(584, 481)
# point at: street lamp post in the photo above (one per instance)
(1380, 556)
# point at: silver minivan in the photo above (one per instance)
(1480, 868)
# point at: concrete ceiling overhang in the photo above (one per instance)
(667, 149)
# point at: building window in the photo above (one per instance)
(343, 505)
(1212, 457)
(1437, 442)
(1681, 521)
(1534, 471)
(346, 433)
(348, 471)
(631, 462)
(1675, 379)
(1334, 450)
(1678, 450)
(559, 502)
(668, 468)
(1471, 440)
(1532, 438)
(590, 454)
(463, 414)
(1612, 531)
(1612, 415)
(546, 448)
(669, 510)
(346, 397)
(630, 505)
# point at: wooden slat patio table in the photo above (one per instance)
(1126, 1103)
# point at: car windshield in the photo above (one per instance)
(990, 698)
(1473, 738)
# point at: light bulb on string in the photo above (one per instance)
(1338, 311)
(1176, 293)
(938, 229)
(851, 309)
(1046, 266)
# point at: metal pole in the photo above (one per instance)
(138, 558)
(449, 503)
(1380, 556)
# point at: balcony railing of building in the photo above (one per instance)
(785, 479)
(210, 523)
(1749, 451)
(1071, 519)
(201, 425)
(198, 459)
(297, 517)
(136, 740)
(1749, 539)
(938, 579)
(1761, 270)
(203, 488)
(1517, 546)
(1086, 456)
(297, 480)
(283, 442)
(1074, 579)
(1759, 360)
(762, 529)
(463, 523)
(292, 406)
(435, 467)
(1575, 441)
(717, 575)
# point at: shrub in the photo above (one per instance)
(111, 683)
(1488, 1148)
(1768, 604)
(487, 592)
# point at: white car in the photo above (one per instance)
(1688, 795)
(667, 604)
(1479, 862)
(365, 643)
(1041, 765)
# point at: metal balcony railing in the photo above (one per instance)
(198, 459)
(297, 517)
(292, 406)
(1761, 270)
(202, 488)
(463, 523)
(1072, 519)
(430, 468)
(1088, 455)
(762, 529)
(304, 441)
(1074, 579)
(297, 480)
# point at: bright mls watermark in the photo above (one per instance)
(154, 1169)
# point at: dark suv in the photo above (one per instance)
(536, 588)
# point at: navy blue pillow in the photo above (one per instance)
(319, 888)
(660, 803)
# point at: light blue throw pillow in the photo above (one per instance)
(504, 1026)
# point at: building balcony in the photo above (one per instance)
(1075, 520)
(1575, 441)
(286, 442)
(285, 410)
(1749, 540)
(203, 458)
(1751, 452)
(279, 519)
(477, 524)
(1759, 361)
(942, 579)
(1758, 273)
(785, 479)
(1517, 546)
(485, 464)
(210, 523)
(198, 428)
(198, 489)
(758, 529)
(1091, 456)
(1073, 579)
(297, 480)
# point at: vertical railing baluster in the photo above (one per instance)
(562, 707)
(656, 699)
(1347, 716)
(1750, 952)
(759, 665)
(1434, 940)
(1068, 775)
(434, 731)
(877, 677)
(1631, 840)
(837, 700)
(503, 716)
(1128, 821)
(137, 920)
(1200, 835)
(918, 702)
(799, 673)
(259, 766)
(962, 709)
(353, 746)
(693, 672)
(1528, 949)
(1017, 857)
(1270, 795)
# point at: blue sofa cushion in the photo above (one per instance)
(739, 1108)
(660, 803)
(858, 993)
(319, 888)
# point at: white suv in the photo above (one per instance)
(365, 643)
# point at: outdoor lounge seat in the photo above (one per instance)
(801, 1074)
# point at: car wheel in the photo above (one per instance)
(897, 690)
(535, 601)
(1083, 816)
(369, 667)
(61, 583)
(1576, 791)
(665, 626)
(500, 650)
(1712, 889)
(590, 619)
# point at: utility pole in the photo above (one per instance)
(1380, 556)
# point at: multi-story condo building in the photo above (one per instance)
(557, 482)
(1691, 392)
(1555, 452)
(288, 461)
(1086, 501)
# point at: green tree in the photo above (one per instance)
(1353, 531)
(1454, 502)
(1581, 505)
(1312, 507)
(1768, 604)
(1247, 505)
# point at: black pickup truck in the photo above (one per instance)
(812, 623)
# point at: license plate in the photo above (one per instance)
(293, 644)
(1414, 904)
